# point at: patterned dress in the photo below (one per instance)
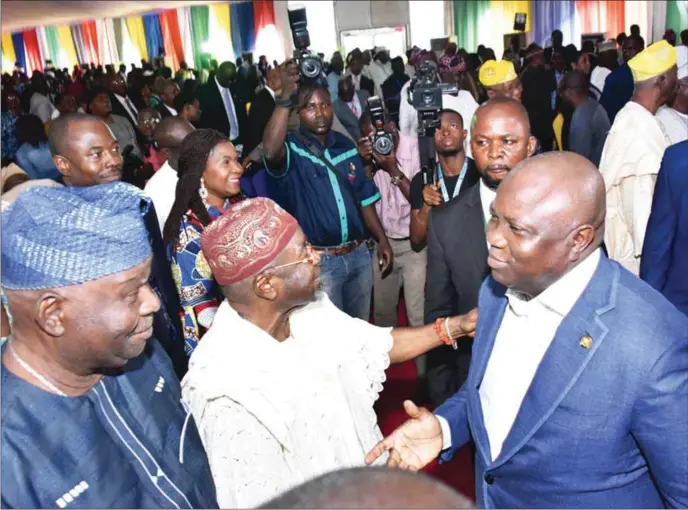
(198, 292)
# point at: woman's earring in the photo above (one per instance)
(203, 191)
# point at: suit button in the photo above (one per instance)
(489, 479)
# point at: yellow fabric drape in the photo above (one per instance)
(500, 20)
(8, 48)
(64, 34)
(137, 34)
(219, 32)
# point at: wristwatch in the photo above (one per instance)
(283, 103)
(397, 179)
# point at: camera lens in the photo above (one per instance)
(310, 67)
(383, 145)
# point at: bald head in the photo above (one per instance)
(169, 134)
(371, 487)
(548, 216)
(502, 105)
(67, 128)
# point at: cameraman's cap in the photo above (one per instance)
(495, 72)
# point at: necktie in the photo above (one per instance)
(233, 128)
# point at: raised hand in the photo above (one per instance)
(412, 445)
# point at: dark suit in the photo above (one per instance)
(118, 109)
(214, 114)
(258, 116)
(347, 117)
(664, 262)
(457, 265)
(163, 111)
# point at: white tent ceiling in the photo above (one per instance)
(19, 14)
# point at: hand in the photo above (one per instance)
(289, 73)
(463, 325)
(432, 195)
(412, 445)
(365, 149)
(384, 253)
(388, 163)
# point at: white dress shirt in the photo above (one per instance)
(170, 109)
(355, 106)
(162, 188)
(128, 106)
(674, 124)
(487, 196)
(526, 332)
(599, 76)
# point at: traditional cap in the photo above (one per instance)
(415, 53)
(55, 237)
(495, 72)
(246, 238)
(682, 61)
(452, 63)
(653, 61)
(609, 45)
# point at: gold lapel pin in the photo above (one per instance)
(585, 342)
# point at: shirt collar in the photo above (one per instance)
(330, 137)
(272, 92)
(561, 296)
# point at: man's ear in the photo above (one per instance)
(583, 236)
(50, 314)
(63, 166)
(532, 145)
(263, 286)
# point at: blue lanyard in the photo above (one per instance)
(443, 187)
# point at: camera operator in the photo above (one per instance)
(317, 175)
(454, 173)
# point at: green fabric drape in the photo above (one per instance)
(677, 15)
(118, 23)
(200, 21)
(53, 40)
(467, 15)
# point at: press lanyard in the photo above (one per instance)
(443, 187)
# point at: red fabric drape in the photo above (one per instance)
(90, 35)
(263, 14)
(606, 16)
(172, 37)
(34, 61)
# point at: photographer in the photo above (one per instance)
(454, 173)
(317, 175)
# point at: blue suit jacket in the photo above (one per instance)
(664, 263)
(618, 90)
(598, 428)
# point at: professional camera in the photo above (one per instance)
(425, 95)
(309, 63)
(383, 143)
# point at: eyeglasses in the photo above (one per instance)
(311, 257)
(150, 122)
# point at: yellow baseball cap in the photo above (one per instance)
(653, 61)
(495, 72)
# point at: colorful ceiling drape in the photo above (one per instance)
(19, 50)
(555, 13)
(174, 48)
(154, 40)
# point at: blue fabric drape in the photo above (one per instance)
(243, 30)
(154, 40)
(549, 15)
(19, 53)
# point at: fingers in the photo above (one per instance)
(378, 450)
(412, 409)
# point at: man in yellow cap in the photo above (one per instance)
(633, 153)
(500, 79)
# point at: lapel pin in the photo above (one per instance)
(585, 342)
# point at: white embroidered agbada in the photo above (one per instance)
(630, 162)
(275, 414)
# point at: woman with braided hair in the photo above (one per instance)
(209, 175)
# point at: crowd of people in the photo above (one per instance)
(201, 276)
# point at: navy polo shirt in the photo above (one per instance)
(326, 205)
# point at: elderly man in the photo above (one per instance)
(594, 413)
(283, 384)
(633, 152)
(87, 154)
(500, 79)
(91, 408)
(457, 248)
(673, 118)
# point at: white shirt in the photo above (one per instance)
(355, 106)
(162, 188)
(379, 72)
(674, 124)
(271, 414)
(41, 106)
(128, 106)
(599, 76)
(629, 165)
(526, 332)
(170, 109)
(487, 196)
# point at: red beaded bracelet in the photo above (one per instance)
(442, 330)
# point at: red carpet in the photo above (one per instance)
(401, 385)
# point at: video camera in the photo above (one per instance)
(310, 65)
(425, 95)
(383, 143)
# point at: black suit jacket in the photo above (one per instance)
(118, 109)
(367, 84)
(214, 115)
(457, 266)
(258, 116)
(164, 112)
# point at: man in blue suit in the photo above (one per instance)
(577, 394)
(664, 262)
